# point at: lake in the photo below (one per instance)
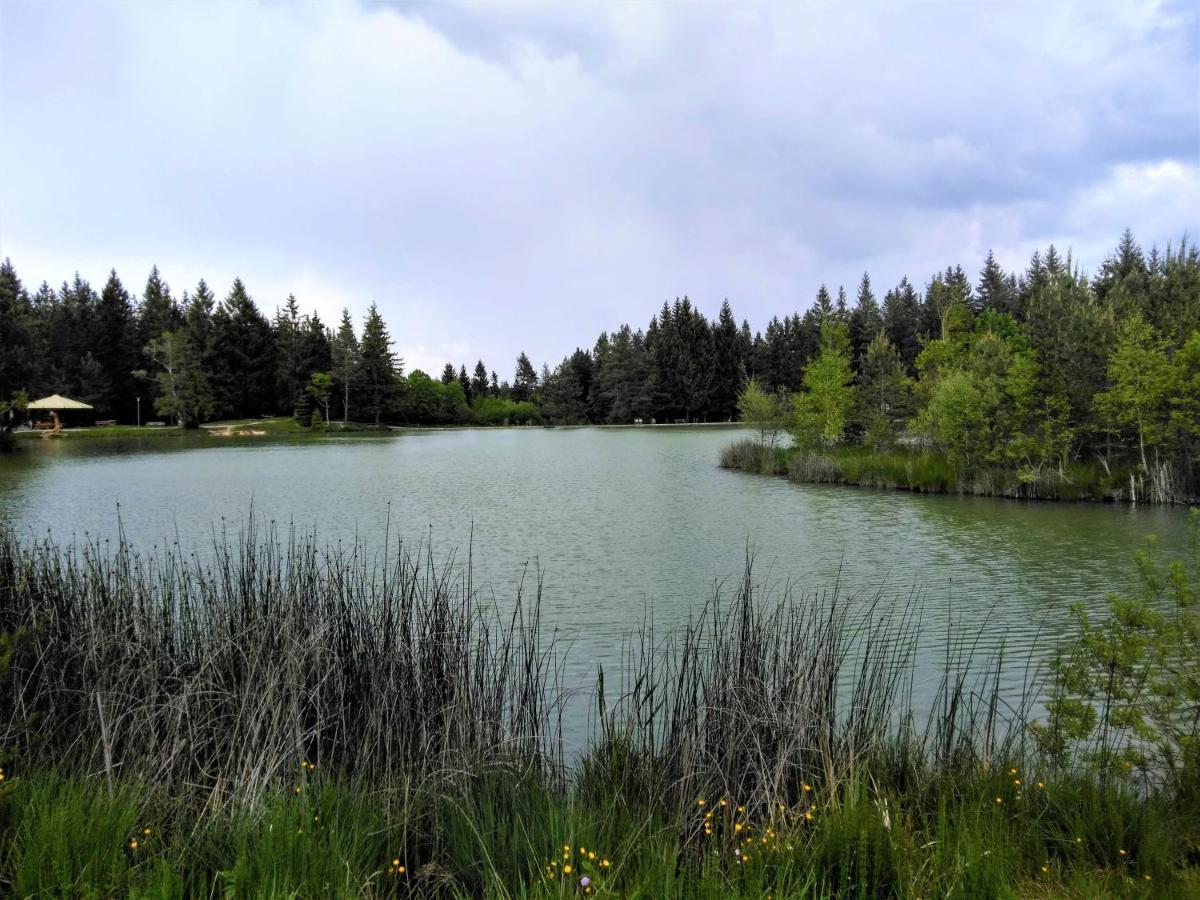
(620, 520)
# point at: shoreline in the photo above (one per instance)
(924, 472)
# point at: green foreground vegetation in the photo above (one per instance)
(285, 721)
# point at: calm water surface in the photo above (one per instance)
(620, 521)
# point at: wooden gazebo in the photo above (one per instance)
(68, 411)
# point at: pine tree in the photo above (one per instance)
(900, 313)
(347, 362)
(865, 321)
(157, 312)
(464, 381)
(17, 363)
(729, 365)
(525, 380)
(291, 374)
(247, 365)
(997, 291)
(883, 392)
(380, 366)
(479, 383)
(115, 349)
(449, 376)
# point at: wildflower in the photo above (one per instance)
(1012, 771)
(604, 863)
(133, 845)
(724, 802)
(1041, 785)
(568, 868)
(1122, 852)
(1045, 868)
(1017, 781)
(296, 789)
(567, 847)
(582, 851)
(1147, 877)
(738, 827)
(1079, 840)
(591, 854)
(700, 802)
(999, 799)
(399, 870)
(396, 863)
(316, 818)
(146, 831)
(808, 816)
(806, 787)
(741, 809)
(584, 881)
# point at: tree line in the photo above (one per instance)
(1027, 368)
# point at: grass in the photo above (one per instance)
(925, 471)
(281, 426)
(290, 721)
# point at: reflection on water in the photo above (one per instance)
(620, 521)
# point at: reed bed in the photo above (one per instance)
(277, 718)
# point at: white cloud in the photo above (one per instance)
(517, 175)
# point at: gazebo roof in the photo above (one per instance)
(57, 401)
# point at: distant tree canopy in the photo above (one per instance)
(1032, 368)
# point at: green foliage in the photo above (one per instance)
(769, 413)
(1127, 691)
(184, 392)
(821, 412)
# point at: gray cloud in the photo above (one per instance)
(518, 176)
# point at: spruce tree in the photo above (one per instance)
(449, 376)
(17, 363)
(116, 350)
(479, 383)
(865, 322)
(247, 355)
(347, 363)
(729, 365)
(380, 366)
(464, 381)
(525, 379)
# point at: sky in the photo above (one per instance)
(510, 176)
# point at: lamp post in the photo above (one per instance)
(139, 401)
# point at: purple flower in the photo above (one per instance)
(584, 881)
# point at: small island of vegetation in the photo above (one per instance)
(1052, 386)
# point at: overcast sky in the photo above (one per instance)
(517, 176)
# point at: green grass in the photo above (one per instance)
(287, 721)
(925, 471)
(501, 835)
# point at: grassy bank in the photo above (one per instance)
(290, 721)
(235, 428)
(928, 472)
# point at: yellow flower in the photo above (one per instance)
(591, 854)
(1016, 781)
(806, 787)
(808, 816)
(146, 831)
(604, 863)
(999, 799)
(738, 826)
(133, 845)
(1122, 852)
(1041, 785)
(396, 862)
(567, 847)
(296, 789)
(741, 809)
(581, 850)
(724, 802)
(1045, 869)
(1012, 771)
(567, 868)
(1147, 877)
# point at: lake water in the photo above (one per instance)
(620, 521)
